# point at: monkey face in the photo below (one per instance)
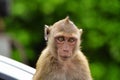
(65, 45)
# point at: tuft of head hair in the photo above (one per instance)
(67, 19)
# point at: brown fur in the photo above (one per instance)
(50, 67)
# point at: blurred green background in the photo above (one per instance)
(99, 19)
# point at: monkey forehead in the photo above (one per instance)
(66, 35)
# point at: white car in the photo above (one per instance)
(14, 70)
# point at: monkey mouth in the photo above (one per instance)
(65, 57)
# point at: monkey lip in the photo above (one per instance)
(64, 57)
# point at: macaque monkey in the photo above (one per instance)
(62, 59)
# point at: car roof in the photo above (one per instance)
(15, 69)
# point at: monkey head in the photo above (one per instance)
(64, 37)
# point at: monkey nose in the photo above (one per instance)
(66, 49)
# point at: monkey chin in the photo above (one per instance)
(64, 58)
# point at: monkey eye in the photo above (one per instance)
(71, 40)
(61, 38)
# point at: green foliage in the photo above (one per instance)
(98, 71)
(100, 21)
(16, 56)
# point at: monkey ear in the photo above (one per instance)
(46, 32)
(81, 31)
